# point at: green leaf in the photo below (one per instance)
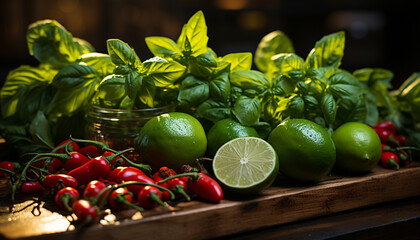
(100, 62)
(206, 60)
(327, 52)
(328, 108)
(343, 84)
(296, 107)
(162, 46)
(220, 87)
(147, 92)
(133, 83)
(193, 39)
(192, 92)
(40, 130)
(50, 43)
(76, 84)
(110, 92)
(239, 61)
(25, 91)
(163, 73)
(273, 107)
(122, 54)
(247, 110)
(352, 111)
(213, 110)
(250, 79)
(372, 75)
(285, 64)
(272, 44)
(372, 113)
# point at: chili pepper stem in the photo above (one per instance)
(65, 199)
(408, 148)
(180, 189)
(11, 173)
(155, 198)
(392, 163)
(195, 176)
(121, 199)
(99, 145)
(144, 167)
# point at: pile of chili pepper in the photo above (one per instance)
(395, 152)
(86, 180)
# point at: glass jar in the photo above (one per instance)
(119, 127)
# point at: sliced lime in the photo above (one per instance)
(246, 165)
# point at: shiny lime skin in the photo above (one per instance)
(358, 147)
(225, 130)
(305, 150)
(171, 140)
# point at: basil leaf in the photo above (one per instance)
(40, 130)
(328, 108)
(162, 46)
(163, 74)
(284, 64)
(247, 110)
(343, 84)
(371, 75)
(50, 43)
(239, 61)
(76, 84)
(192, 92)
(213, 110)
(372, 113)
(206, 60)
(273, 43)
(133, 83)
(250, 79)
(327, 52)
(100, 62)
(352, 111)
(263, 129)
(193, 39)
(273, 107)
(147, 91)
(25, 91)
(220, 87)
(110, 92)
(409, 96)
(122, 54)
(296, 107)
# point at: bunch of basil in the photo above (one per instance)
(43, 105)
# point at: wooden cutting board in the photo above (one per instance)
(284, 202)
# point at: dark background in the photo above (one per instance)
(378, 33)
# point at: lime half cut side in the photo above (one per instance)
(246, 165)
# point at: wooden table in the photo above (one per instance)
(341, 207)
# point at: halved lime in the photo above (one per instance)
(246, 165)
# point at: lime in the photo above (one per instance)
(246, 165)
(225, 130)
(172, 140)
(358, 147)
(305, 149)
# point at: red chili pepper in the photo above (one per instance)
(116, 162)
(404, 158)
(385, 135)
(93, 188)
(206, 188)
(56, 181)
(133, 174)
(388, 125)
(55, 164)
(92, 170)
(90, 151)
(75, 160)
(85, 211)
(165, 195)
(389, 160)
(178, 186)
(31, 187)
(8, 166)
(400, 139)
(386, 148)
(66, 197)
(150, 197)
(113, 175)
(120, 199)
(70, 144)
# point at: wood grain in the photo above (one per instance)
(282, 203)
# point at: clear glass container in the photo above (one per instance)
(119, 127)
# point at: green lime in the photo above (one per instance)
(306, 151)
(225, 130)
(358, 147)
(172, 140)
(246, 165)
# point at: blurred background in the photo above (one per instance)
(378, 33)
